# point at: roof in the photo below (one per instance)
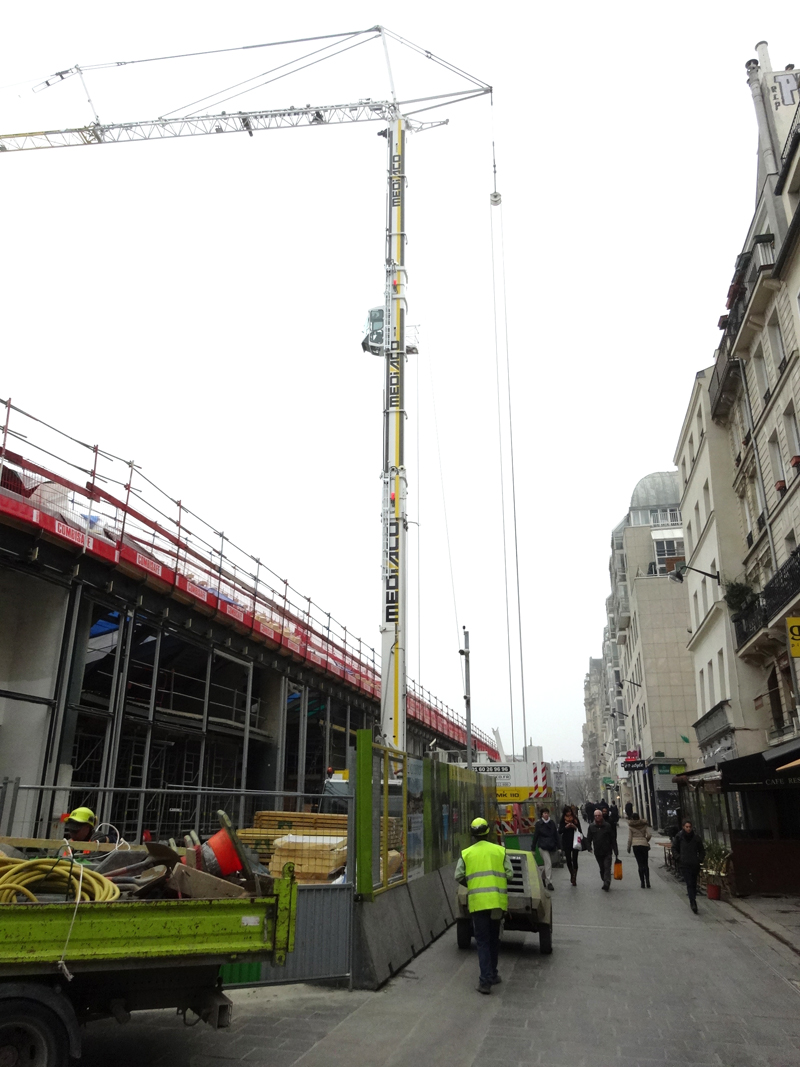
(659, 489)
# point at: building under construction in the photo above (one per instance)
(140, 649)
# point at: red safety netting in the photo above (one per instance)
(107, 508)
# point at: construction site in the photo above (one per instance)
(181, 727)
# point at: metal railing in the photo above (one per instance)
(106, 507)
(749, 267)
(793, 129)
(749, 621)
(783, 586)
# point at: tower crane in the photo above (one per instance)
(387, 327)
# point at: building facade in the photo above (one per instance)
(642, 718)
(740, 492)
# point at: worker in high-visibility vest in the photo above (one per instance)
(485, 869)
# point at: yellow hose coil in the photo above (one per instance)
(51, 876)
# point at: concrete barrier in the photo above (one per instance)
(387, 937)
(431, 906)
(399, 924)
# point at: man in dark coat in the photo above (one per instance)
(602, 840)
(689, 852)
(589, 811)
(545, 835)
(628, 810)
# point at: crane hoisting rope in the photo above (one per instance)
(496, 201)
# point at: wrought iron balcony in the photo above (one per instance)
(794, 129)
(780, 590)
(783, 586)
(749, 621)
(749, 268)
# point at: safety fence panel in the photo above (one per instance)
(452, 797)
(322, 943)
(389, 795)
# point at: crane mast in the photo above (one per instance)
(394, 515)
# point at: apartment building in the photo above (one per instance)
(641, 703)
(657, 683)
(739, 461)
(593, 702)
(731, 712)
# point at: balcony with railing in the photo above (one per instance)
(749, 621)
(780, 590)
(746, 285)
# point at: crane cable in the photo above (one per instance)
(495, 201)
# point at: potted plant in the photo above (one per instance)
(715, 861)
(737, 595)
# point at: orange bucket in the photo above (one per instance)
(222, 847)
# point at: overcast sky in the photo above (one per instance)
(198, 304)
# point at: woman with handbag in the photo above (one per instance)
(571, 841)
(639, 839)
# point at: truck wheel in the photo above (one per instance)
(464, 932)
(545, 940)
(31, 1035)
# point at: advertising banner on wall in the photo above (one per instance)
(415, 841)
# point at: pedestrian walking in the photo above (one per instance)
(588, 811)
(485, 869)
(689, 852)
(545, 835)
(639, 839)
(614, 813)
(628, 810)
(569, 827)
(601, 839)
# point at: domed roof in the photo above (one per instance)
(659, 489)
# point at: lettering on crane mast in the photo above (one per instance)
(393, 573)
(394, 382)
(396, 182)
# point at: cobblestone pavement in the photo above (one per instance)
(635, 980)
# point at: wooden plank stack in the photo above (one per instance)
(271, 825)
(315, 858)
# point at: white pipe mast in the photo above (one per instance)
(394, 513)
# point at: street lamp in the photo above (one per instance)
(677, 575)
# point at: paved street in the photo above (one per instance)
(707, 989)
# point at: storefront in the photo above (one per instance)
(752, 806)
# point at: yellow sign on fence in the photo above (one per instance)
(793, 631)
(519, 794)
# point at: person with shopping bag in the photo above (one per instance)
(639, 840)
(571, 841)
(602, 840)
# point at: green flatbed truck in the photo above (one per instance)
(126, 956)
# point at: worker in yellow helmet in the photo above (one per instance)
(80, 824)
(485, 869)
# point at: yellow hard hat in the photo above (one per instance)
(84, 815)
(479, 827)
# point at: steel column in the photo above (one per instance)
(148, 741)
(280, 753)
(302, 738)
(246, 740)
(327, 735)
